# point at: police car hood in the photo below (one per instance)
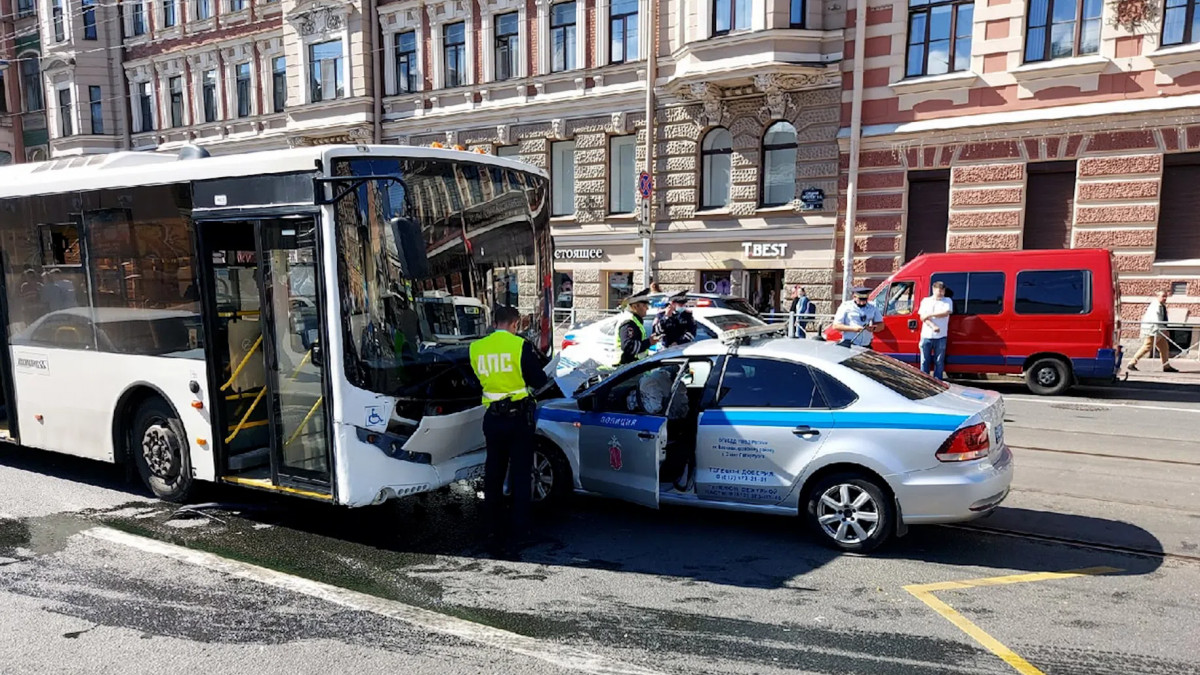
(570, 374)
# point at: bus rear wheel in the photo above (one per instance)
(159, 448)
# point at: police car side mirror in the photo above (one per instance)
(586, 403)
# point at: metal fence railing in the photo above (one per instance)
(1172, 331)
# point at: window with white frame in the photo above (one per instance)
(623, 25)
(241, 73)
(137, 17)
(406, 62)
(779, 164)
(716, 155)
(279, 83)
(562, 37)
(175, 88)
(208, 94)
(1061, 29)
(65, 126)
(508, 46)
(939, 36)
(325, 71)
(203, 9)
(26, 8)
(730, 16)
(88, 13)
(454, 54)
(58, 20)
(144, 107)
(1181, 22)
(622, 160)
(96, 103)
(562, 169)
(170, 18)
(237, 5)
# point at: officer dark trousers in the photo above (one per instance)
(508, 429)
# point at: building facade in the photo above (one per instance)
(745, 124)
(1002, 125)
(23, 133)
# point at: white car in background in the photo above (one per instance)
(597, 341)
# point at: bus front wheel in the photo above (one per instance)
(159, 448)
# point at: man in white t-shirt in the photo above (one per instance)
(935, 313)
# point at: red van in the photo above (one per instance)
(1051, 316)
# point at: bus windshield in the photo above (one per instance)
(423, 256)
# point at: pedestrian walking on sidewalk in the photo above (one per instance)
(801, 311)
(1153, 323)
(935, 313)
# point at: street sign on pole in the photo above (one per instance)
(644, 218)
(644, 185)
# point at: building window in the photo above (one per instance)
(242, 75)
(779, 164)
(145, 107)
(623, 24)
(928, 213)
(31, 82)
(939, 36)
(562, 168)
(279, 83)
(56, 17)
(3, 95)
(508, 46)
(65, 127)
(1062, 28)
(730, 15)
(1179, 209)
(454, 54)
(175, 86)
(620, 286)
(1181, 22)
(203, 9)
(562, 37)
(237, 5)
(325, 67)
(564, 289)
(1049, 205)
(796, 19)
(511, 151)
(26, 8)
(138, 17)
(622, 158)
(89, 19)
(716, 154)
(406, 62)
(96, 103)
(169, 19)
(208, 88)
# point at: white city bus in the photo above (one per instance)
(261, 319)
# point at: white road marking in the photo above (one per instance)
(1106, 404)
(562, 656)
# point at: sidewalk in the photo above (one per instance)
(1150, 372)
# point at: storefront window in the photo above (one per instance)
(716, 282)
(564, 290)
(620, 286)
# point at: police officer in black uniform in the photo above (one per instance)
(676, 326)
(509, 372)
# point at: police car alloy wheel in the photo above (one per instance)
(850, 512)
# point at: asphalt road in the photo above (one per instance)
(95, 577)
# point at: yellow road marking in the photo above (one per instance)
(925, 593)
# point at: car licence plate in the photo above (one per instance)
(999, 436)
(469, 473)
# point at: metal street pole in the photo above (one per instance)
(651, 75)
(860, 53)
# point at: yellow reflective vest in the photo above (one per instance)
(496, 360)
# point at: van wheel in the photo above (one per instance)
(552, 480)
(1048, 377)
(159, 448)
(850, 512)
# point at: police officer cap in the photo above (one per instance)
(642, 296)
(681, 296)
(862, 291)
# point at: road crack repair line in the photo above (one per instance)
(562, 656)
(925, 593)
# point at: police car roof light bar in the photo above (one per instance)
(744, 334)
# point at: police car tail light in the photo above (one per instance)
(966, 444)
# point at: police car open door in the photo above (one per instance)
(622, 439)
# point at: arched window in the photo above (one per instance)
(715, 155)
(779, 164)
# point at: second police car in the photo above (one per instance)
(858, 445)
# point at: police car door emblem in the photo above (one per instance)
(614, 454)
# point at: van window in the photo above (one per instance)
(1054, 292)
(896, 299)
(973, 292)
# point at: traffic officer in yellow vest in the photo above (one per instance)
(508, 370)
(633, 338)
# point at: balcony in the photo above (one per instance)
(733, 60)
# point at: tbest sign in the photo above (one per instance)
(764, 250)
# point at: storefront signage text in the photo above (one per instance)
(578, 253)
(762, 250)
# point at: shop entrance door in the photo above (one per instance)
(765, 290)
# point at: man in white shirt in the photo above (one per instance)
(935, 312)
(857, 320)
(1153, 321)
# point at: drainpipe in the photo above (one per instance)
(860, 50)
(376, 75)
(651, 76)
(116, 80)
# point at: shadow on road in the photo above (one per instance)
(370, 548)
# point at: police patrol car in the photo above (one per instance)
(857, 444)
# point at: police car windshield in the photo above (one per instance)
(908, 382)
